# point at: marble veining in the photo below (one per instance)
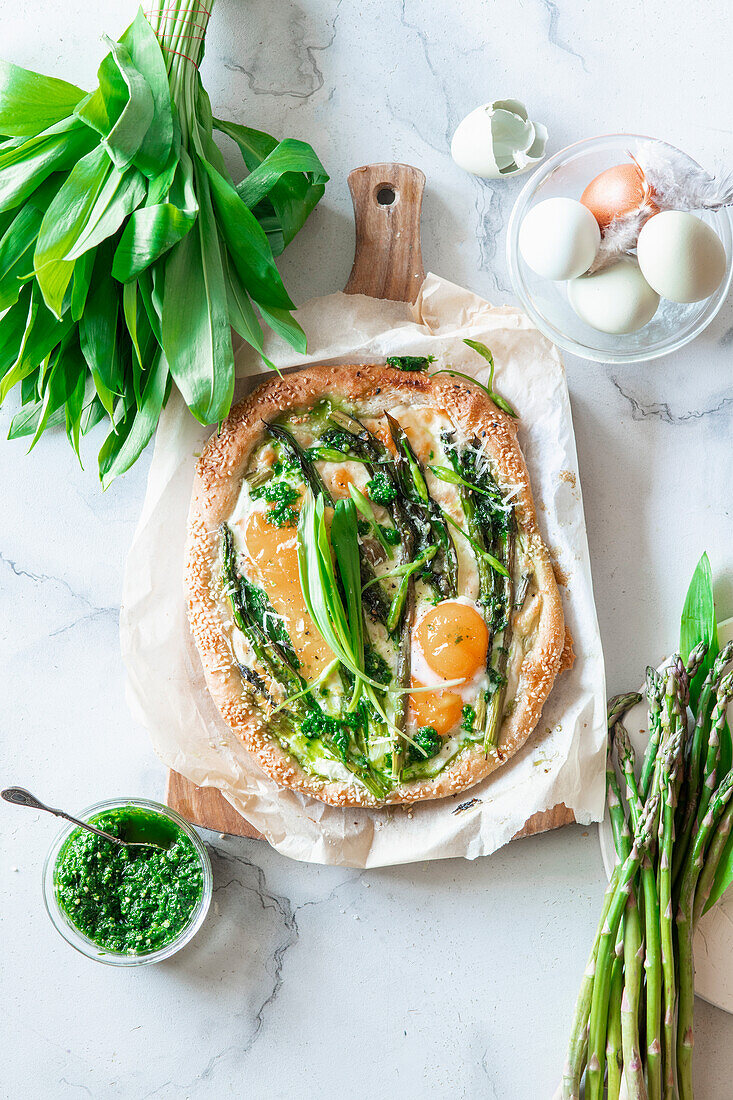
(444, 980)
(661, 410)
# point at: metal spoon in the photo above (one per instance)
(19, 796)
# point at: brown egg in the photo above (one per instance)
(619, 190)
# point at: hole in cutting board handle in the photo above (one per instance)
(385, 194)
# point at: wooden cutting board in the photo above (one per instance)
(388, 264)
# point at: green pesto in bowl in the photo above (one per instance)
(129, 901)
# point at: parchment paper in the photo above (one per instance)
(564, 759)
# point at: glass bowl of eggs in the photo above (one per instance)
(658, 275)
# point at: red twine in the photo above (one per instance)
(174, 13)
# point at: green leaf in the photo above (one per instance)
(42, 333)
(123, 447)
(318, 581)
(59, 384)
(320, 589)
(92, 413)
(101, 108)
(29, 387)
(64, 220)
(81, 283)
(345, 543)
(150, 232)
(121, 109)
(25, 422)
(196, 335)
(128, 133)
(148, 285)
(285, 325)
(364, 505)
(288, 156)
(98, 337)
(130, 311)
(242, 316)
(121, 194)
(75, 403)
(255, 145)
(16, 253)
(12, 331)
(698, 623)
(62, 401)
(89, 207)
(24, 167)
(147, 56)
(30, 102)
(153, 230)
(247, 243)
(291, 180)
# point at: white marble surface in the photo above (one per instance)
(443, 980)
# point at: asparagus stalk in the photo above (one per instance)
(476, 530)
(293, 449)
(604, 956)
(267, 652)
(630, 1001)
(575, 1060)
(504, 552)
(648, 914)
(724, 694)
(671, 726)
(699, 740)
(654, 695)
(651, 955)
(698, 749)
(685, 929)
(633, 939)
(713, 856)
(614, 1056)
(426, 517)
(653, 972)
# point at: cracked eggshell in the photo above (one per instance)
(497, 140)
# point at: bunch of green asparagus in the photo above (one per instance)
(633, 1022)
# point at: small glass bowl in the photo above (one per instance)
(82, 943)
(546, 302)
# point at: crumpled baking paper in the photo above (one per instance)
(563, 760)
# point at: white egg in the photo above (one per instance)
(680, 256)
(616, 299)
(559, 238)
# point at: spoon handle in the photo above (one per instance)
(19, 796)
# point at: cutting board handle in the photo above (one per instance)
(387, 202)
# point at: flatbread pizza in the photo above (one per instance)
(374, 607)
